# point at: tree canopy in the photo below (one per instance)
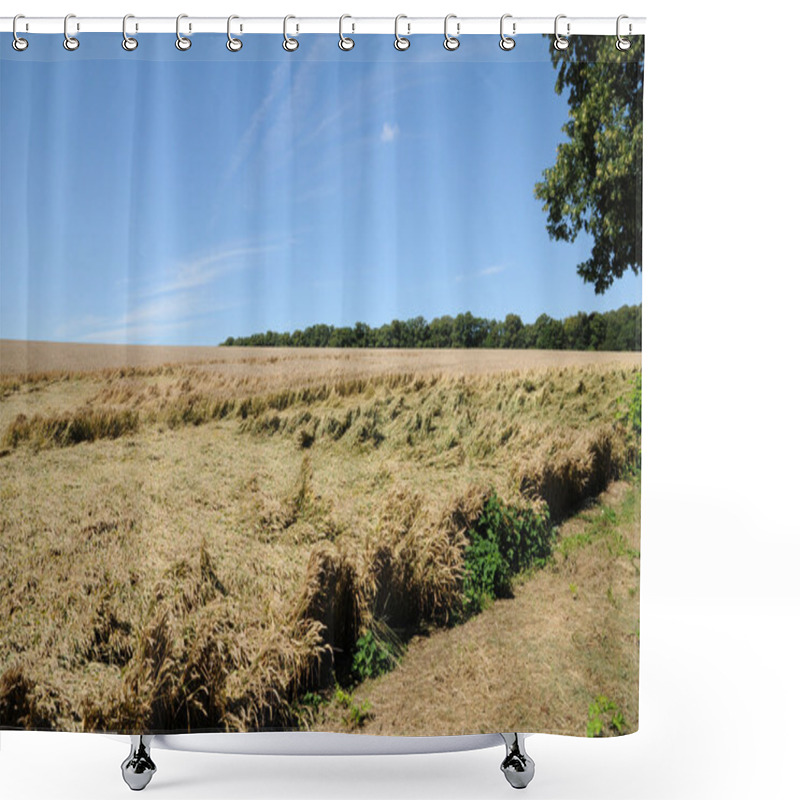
(612, 330)
(596, 183)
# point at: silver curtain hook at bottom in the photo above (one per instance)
(128, 42)
(560, 42)
(506, 42)
(233, 44)
(450, 42)
(18, 43)
(345, 42)
(622, 43)
(181, 41)
(289, 44)
(70, 42)
(401, 42)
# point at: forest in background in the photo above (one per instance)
(618, 330)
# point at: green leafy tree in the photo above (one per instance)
(361, 335)
(596, 183)
(417, 332)
(512, 330)
(611, 330)
(548, 333)
(441, 332)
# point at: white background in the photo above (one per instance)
(720, 623)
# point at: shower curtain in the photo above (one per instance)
(320, 384)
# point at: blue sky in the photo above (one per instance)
(180, 198)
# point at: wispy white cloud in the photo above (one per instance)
(149, 321)
(179, 302)
(495, 269)
(206, 269)
(288, 98)
(291, 97)
(76, 326)
(145, 334)
(389, 132)
(258, 119)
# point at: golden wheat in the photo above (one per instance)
(196, 546)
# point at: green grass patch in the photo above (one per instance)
(604, 524)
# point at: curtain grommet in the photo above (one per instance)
(290, 44)
(507, 42)
(18, 43)
(401, 43)
(623, 44)
(233, 44)
(560, 42)
(345, 42)
(128, 42)
(182, 42)
(71, 43)
(451, 43)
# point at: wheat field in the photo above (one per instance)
(196, 538)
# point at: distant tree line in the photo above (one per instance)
(611, 330)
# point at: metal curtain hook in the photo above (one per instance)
(345, 43)
(18, 43)
(181, 42)
(450, 42)
(400, 42)
(622, 43)
(233, 44)
(70, 42)
(289, 44)
(506, 42)
(128, 42)
(560, 42)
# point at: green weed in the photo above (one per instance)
(372, 657)
(306, 709)
(505, 540)
(356, 714)
(605, 719)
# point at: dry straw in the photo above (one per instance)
(234, 532)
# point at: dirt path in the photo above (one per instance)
(570, 633)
